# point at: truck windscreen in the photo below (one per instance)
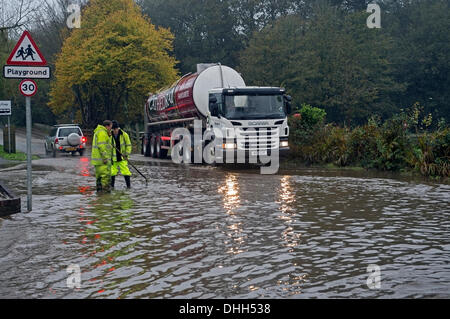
(254, 107)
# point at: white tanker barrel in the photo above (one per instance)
(190, 96)
(212, 78)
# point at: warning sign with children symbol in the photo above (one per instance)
(26, 52)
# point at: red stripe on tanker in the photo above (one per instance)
(184, 94)
(188, 97)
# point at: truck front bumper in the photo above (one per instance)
(234, 156)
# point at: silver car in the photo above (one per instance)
(67, 138)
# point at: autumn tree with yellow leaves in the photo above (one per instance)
(108, 67)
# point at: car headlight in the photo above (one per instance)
(284, 144)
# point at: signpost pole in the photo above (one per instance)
(9, 134)
(29, 167)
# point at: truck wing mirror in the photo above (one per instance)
(288, 104)
(212, 99)
(214, 110)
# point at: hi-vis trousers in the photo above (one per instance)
(122, 166)
(103, 175)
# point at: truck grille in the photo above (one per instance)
(257, 139)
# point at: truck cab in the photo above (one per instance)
(253, 120)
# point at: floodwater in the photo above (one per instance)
(208, 232)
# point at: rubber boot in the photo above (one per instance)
(128, 181)
(113, 181)
(99, 185)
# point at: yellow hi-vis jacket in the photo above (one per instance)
(101, 146)
(125, 145)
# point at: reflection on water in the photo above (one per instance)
(84, 167)
(286, 195)
(211, 233)
(230, 191)
(288, 213)
(105, 237)
(231, 202)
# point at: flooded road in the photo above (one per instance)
(207, 232)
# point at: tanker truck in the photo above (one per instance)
(251, 120)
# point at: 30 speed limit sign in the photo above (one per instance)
(28, 88)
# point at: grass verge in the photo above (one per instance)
(14, 157)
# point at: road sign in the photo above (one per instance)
(26, 72)
(28, 88)
(5, 108)
(26, 52)
(27, 62)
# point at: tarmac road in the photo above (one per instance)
(37, 139)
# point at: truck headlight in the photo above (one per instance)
(229, 146)
(284, 144)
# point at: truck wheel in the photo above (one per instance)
(160, 153)
(153, 147)
(158, 147)
(211, 153)
(188, 157)
(81, 152)
(146, 147)
(164, 153)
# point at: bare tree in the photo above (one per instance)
(15, 15)
(50, 24)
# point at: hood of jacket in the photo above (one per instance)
(100, 128)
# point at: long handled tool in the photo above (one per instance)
(146, 180)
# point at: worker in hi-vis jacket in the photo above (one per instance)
(121, 147)
(101, 156)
